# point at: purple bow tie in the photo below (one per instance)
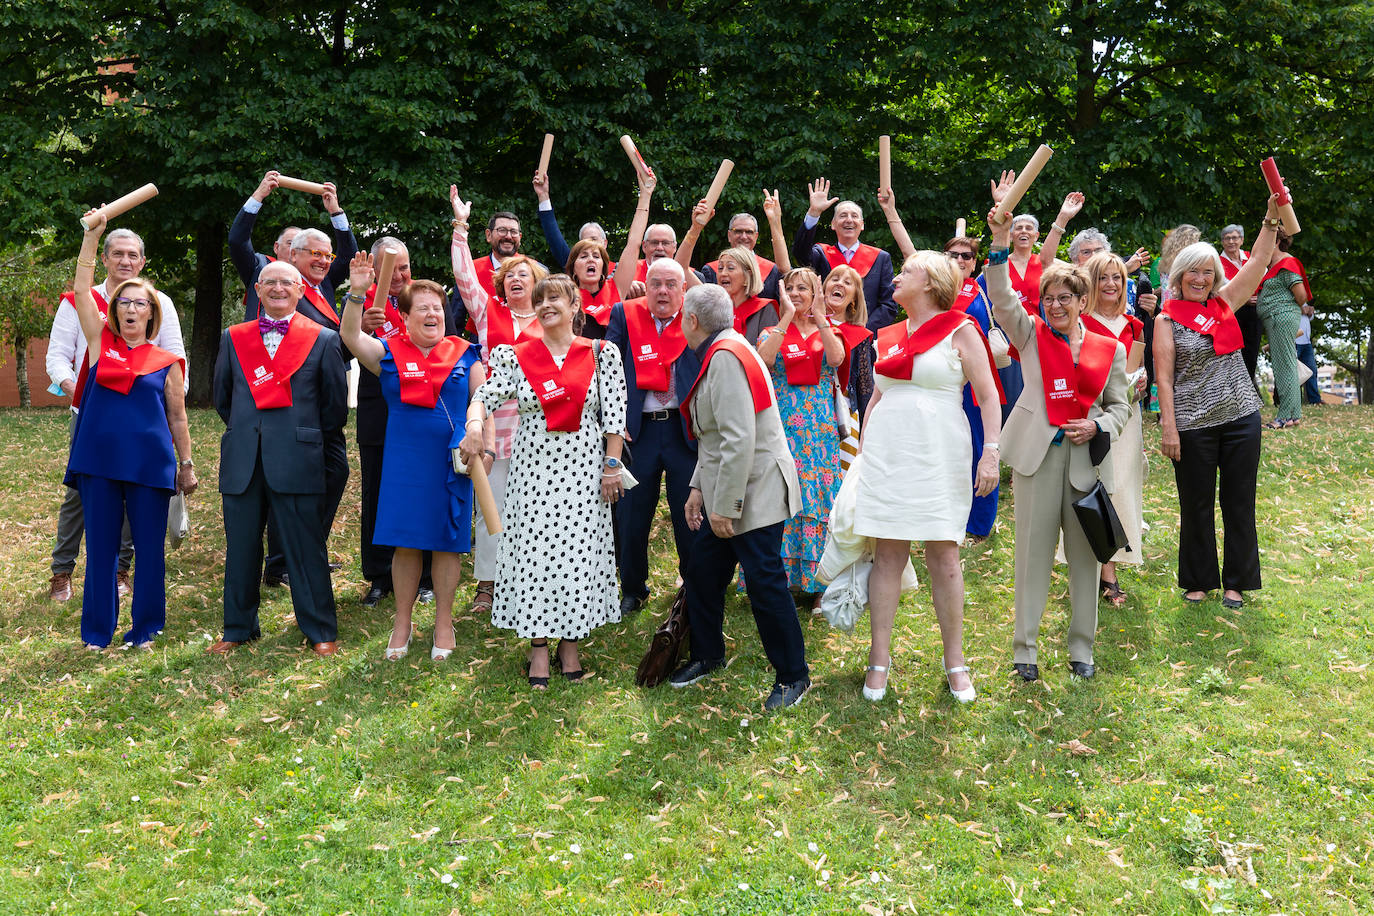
(280, 325)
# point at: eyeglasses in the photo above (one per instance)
(123, 302)
(282, 281)
(1089, 252)
(316, 253)
(960, 255)
(1064, 299)
(738, 231)
(505, 230)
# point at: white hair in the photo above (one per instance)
(1236, 228)
(596, 228)
(120, 235)
(712, 307)
(387, 241)
(1196, 255)
(284, 265)
(1025, 218)
(1087, 235)
(307, 237)
(671, 230)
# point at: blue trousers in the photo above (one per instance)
(660, 454)
(105, 503)
(759, 554)
(1311, 392)
(982, 514)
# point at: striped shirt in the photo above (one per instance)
(506, 417)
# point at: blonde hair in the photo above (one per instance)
(1179, 238)
(943, 278)
(806, 274)
(498, 279)
(747, 262)
(154, 307)
(1098, 266)
(1195, 256)
(856, 312)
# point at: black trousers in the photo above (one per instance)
(661, 452)
(1247, 316)
(297, 517)
(1233, 449)
(712, 567)
(335, 480)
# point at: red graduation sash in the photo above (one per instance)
(1071, 390)
(1231, 268)
(851, 335)
(747, 309)
(501, 327)
(599, 305)
(1213, 318)
(642, 270)
(485, 270)
(316, 298)
(653, 354)
(765, 266)
(898, 348)
(1028, 286)
(85, 368)
(562, 392)
(967, 294)
(864, 258)
(753, 371)
(1133, 330)
(423, 376)
(802, 356)
(269, 377)
(118, 366)
(1293, 264)
(393, 324)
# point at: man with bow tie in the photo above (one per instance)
(281, 387)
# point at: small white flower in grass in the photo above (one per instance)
(777, 834)
(825, 874)
(628, 856)
(575, 848)
(319, 702)
(743, 886)
(134, 798)
(743, 723)
(812, 848)
(553, 857)
(460, 860)
(446, 879)
(298, 760)
(874, 877)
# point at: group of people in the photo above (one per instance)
(579, 396)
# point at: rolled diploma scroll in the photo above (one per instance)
(884, 162)
(1275, 181)
(126, 203)
(546, 154)
(1023, 182)
(718, 184)
(486, 500)
(385, 268)
(296, 184)
(960, 228)
(636, 160)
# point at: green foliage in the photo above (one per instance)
(31, 282)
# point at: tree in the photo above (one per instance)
(31, 283)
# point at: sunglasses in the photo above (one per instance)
(960, 255)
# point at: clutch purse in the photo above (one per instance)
(1000, 347)
(1100, 523)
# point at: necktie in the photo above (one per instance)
(280, 325)
(848, 255)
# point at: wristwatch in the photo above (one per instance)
(612, 463)
(187, 463)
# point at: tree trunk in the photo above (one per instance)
(209, 309)
(21, 370)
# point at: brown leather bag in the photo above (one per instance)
(665, 650)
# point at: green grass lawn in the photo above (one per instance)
(1220, 761)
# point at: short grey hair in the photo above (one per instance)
(596, 227)
(307, 237)
(671, 230)
(739, 216)
(1195, 256)
(292, 229)
(120, 235)
(848, 203)
(712, 307)
(1092, 234)
(1025, 218)
(285, 265)
(386, 241)
(1236, 228)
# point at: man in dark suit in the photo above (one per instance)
(281, 388)
(648, 333)
(743, 232)
(873, 264)
(327, 271)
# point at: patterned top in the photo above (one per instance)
(1209, 390)
(1276, 294)
(506, 417)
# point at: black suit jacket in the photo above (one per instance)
(249, 264)
(882, 310)
(289, 439)
(685, 369)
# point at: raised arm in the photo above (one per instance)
(640, 222)
(894, 222)
(1072, 206)
(772, 210)
(1247, 279)
(345, 244)
(558, 246)
(819, 200)
(86, 310)
(464, 271)
(241, 251)
(770, 341)
(700, 217)
(1006, 307)
(368, 349)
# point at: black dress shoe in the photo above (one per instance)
(335, 566)
(275, 581)
(629, 604)
(1085, 670)
(374, 595)
(1027, 672)
(424, 595)
(785, 695)
(693, 671)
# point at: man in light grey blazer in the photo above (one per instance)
(1053, 464)
(745, 484)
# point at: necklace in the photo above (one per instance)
(522, 314)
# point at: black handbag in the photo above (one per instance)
(1100, 523)
(666, 648)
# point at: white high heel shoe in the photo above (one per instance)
(875, 693)
(968, 695)
(393, 655)
(437, 655)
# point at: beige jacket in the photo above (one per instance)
(744, 469)
(1027, 434)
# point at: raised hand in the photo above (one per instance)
(541, 186)
(1072, 206)
(771, 207)
(648, 181)
(700, 214)
(888, 201)
(461, 209)
(96, 220)
(360, 273)
(331, 199)
(1000, 188)
(268, 184)
(818, 193)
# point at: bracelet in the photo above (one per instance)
(86, 263)
(1274, 223)
(487, 451)
(992, 445)
(998, 256)
(459, 223)
(1062, 230)
(614, 475)
(354, 297)
(472, 420)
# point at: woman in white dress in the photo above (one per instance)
(1106, 314)
(916, 450)
(555, 571)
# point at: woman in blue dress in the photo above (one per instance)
(130, 432)
(423, 503)
(963, 251)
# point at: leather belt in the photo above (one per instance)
(658, 415)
